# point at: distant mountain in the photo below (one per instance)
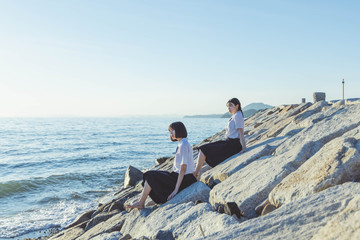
(247, 113)
(205, 116)
(257, 106)
(247, 110)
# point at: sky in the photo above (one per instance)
(89, 58)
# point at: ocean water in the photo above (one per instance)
(52, 169)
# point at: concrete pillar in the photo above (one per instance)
(319, 96)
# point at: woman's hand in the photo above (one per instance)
(172, 194)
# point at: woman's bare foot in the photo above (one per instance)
(137, 205)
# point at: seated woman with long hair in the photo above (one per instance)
(216, 152)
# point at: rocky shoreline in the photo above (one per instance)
(299, 179)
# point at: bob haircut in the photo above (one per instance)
(179, 128)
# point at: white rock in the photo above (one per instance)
(138, 219)
(146, 222)
(297, 220)
(250, 186)
(196, 191)
(239, 161)
(345, 225)
(187, 225)
(135, 219)
(275, 124)
(182, 220)
(331, 125)
(335, 163)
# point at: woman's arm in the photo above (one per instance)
(178, 182)
(242, 140)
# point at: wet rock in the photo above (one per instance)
(161, 160)
(100, 218)
(69, 234)
(82, 218)
(113, 224)
(108, 236)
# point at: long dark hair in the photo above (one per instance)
(236, 101)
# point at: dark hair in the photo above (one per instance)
(179, 128)
(236, 101)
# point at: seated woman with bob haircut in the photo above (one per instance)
(162, 186)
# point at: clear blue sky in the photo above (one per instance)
(114, 58)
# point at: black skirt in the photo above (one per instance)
(163, 183)
(217, 152)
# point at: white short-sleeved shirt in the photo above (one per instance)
(184, 155)
(235, 122)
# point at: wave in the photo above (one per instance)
(60, 162)
(27, 224)
(17, 187)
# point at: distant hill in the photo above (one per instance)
(247, 110)
(247, 113)
(205, 116)
(256, 106)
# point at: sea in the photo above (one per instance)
(53, 169)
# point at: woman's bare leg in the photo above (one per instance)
(144, 194)
(200, 162)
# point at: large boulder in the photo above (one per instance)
(300, 219)
(196, 191)
(132, 176)
(251, 185)
(182, 221)
(102, 217)
(260, 176)
(113, 224)
(323, 127)
(233, 164)
(81, 218)
(335, 163)
(68, 234)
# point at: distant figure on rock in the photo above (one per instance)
(163, 186)
(216, 152)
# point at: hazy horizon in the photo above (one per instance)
(135, 58)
